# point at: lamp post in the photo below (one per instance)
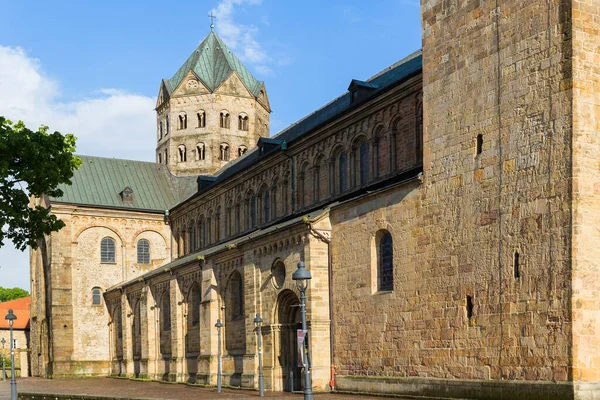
(219, 325)
(302, 276)
(3, 363)
(261, 384)
(10, 317)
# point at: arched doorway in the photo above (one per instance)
(288, 321)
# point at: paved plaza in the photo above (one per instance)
(125, 389)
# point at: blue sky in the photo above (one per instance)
(94, 68)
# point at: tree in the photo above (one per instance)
(31, 163)
(7, 294)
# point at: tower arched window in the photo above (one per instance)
(182, 122)
(167, 126)
(96, 296)
(225, 120)
(242, 150)
(201, 116)
(160, 130)
(182, 153)
(224, 153)
(160, 158)
(385, 261)
(143, 251)
(107, 250)
(243, 122)
(200, 151)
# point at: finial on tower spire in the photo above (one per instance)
(212, 20)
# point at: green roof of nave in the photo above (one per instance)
(99, 183)
(213, 63)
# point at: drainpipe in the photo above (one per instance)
(327, 240)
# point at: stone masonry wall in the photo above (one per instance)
(81, 334)
(490, 223)
(586, 190)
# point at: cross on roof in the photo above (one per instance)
(212, 20)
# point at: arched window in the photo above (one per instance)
(363, 155)
(160, 158)
(242, 150)
(224, 154)
(167, 126)
(195, 305)
(243, 122)
(182, 121)
(218, 224)
(160, 130)
(193, 238)
(342, 172)
(385, 262)
(237, 218)
(118, 319)
(143, 251)
(107, 250)
(201, 115)
(200, 151)
(165, 311)
(266, 206)
(274, 201)
(202, 231)
(96, 296)
(236, 296)
(166, 156)
(225, 119)
(251, 217)
(182, 153)
(419, 118)
(316, 180)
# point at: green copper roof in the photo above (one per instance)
(100, 181)
(213, 62)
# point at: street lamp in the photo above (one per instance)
(302, 276)
(261, 384)
(10, 317)
(219, 325)
(3, 363)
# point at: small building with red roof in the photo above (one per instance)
(21, 309)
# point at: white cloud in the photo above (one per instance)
(239, 37)
(109, 123)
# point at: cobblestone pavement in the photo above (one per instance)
(126, 389)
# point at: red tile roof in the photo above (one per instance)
(20, 308)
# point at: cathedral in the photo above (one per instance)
(447, 209)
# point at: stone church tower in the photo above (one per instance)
(210, 112)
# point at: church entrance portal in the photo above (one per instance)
(289, 321)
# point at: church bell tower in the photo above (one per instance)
(210, 112)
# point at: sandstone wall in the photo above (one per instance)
(586, 190)
(81, 335)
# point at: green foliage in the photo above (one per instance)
(31, 163)
(7, 294)
(4, 357)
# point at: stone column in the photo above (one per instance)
(317, 312)
(150, 338)
(127, 335)
(209, 313)
(177, 339)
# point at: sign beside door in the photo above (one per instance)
(301, 337)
